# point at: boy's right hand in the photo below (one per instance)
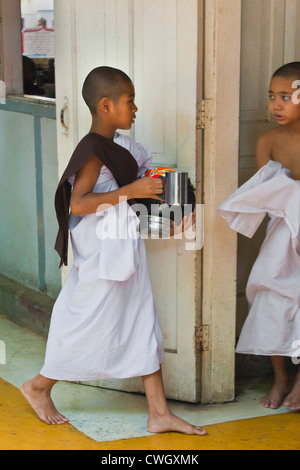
(147, 188)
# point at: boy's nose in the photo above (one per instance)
(277, 104)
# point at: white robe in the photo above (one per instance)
(272, 327)
(104, 324)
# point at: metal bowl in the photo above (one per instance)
(155, 227)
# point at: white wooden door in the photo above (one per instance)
(270, 38)
(156, 43)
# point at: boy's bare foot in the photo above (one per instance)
(292, 401)
(171, 423)
(275, 398)
(40, 400)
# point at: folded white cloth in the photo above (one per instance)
(273, 291)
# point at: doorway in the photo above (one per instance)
(191, 74)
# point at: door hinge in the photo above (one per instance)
(202, 338)
(204, 108)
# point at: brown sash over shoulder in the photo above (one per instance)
(117, 159)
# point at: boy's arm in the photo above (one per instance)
(84, 201)
(264, 150)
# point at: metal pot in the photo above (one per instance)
(158, 222)
(176, 188)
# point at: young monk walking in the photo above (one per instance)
(104, 323)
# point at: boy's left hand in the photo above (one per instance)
(186, 223)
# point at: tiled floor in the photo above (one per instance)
(21, 430)
(105, 415)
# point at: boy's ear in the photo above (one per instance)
(104, 105)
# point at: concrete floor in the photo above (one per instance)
(105, 415)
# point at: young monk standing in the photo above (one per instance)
(273, 291)
(282, 144)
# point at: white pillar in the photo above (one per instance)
(11, 70)
(221, 158)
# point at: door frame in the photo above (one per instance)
(220, 168)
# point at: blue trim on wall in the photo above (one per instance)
(38, 110)
(39, 202)
(36, 107)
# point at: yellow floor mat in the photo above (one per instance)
(21, 430)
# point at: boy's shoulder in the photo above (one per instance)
(137, 149)
(269, 135)
(265, 146)
(140, 152)
(268, 139)
(125, 141)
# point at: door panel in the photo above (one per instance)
(156, 43)
(156, 49)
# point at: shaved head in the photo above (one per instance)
(104, 82)
(291, 70)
